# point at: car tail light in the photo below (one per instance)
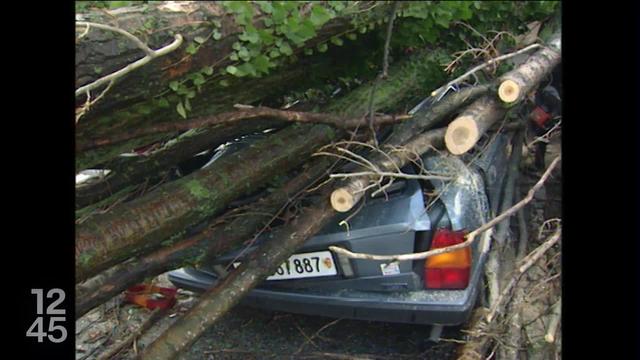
(449, 270)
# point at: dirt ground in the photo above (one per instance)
(247, 333)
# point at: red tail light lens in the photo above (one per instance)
(449, 270)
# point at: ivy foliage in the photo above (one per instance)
(275, 34)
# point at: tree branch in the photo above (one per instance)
(151, 54)
(238, 115)
(470, 237)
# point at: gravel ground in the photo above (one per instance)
(247, 333)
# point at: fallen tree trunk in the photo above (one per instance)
(465, 131)
(144, 223)
(127, 171)
(516, 84)
(243, 115)
(201, 248)
(263, 262)
(348, 195)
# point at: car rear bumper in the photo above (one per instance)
(442, 307)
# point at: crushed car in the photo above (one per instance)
(413, 216)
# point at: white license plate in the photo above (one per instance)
(298, 266)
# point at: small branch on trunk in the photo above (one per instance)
(243, 114)
(470, 237)
(150, 55)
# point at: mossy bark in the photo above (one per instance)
(213, 241)
(130, 171)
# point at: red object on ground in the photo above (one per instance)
(151, 297)
(539, 116)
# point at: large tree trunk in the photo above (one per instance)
(213, 241)
(143, 97)
(107, 239)
(130, 171)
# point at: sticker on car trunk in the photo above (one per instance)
(390, 268)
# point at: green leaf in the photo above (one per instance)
(261, 63)
(244, 54)
(191, 49)
(217, 35)
(265, 6)
(181, 110)
(187, 104)
(308, 51)
(208, 70)
(319, 15)
(174, 85)
(198, 80)
(307, 30)
(216, 23)
(251, 35)
(337, 41)
(224, 83)
(232, 70)
(236, 46)
(199, 39)
(274, 53)
(322, 47)
(351, 36)
(286, 49)
(163, 103)
(234, 56)
(191, 94)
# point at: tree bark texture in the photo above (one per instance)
(201, 248)
(516, 84)
(263, 262)
(144, 97)
(129, 171)
(144, 223)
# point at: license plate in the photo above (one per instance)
(298, 266)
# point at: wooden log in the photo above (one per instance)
(215, 240)
(465, 131)
(347, 196)
(219, 300)
(131, 171)
(516, 84)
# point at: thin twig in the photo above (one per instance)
(470, 237)
(150, 55)
(315, 335)
(391, 175)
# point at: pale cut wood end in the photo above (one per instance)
(509, 91)
(462, 134)
(342, 200)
